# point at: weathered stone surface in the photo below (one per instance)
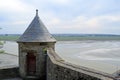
(57, 69)
(33, 42)
(37, 49)
(56, 72)
(9, 73)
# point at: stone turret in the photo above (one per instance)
(36, 32)
(33, 46)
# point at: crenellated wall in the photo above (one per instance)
(58, 69)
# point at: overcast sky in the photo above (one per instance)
(62, 16)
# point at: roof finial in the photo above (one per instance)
(36, 12)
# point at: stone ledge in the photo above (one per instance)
(9, 73)
(59, 61)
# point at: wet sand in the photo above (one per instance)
(8, 61)
(99, 55)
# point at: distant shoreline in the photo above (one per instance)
(68, 37)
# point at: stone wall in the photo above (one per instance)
(58, 69)
(56, 72)
(9, 73)
(38, 50)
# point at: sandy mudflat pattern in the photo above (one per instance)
(8, 60)
(99, 55)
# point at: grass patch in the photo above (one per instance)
(1, 43)
(9, 38)
(66, 38)
(2, 51)
(78, 38)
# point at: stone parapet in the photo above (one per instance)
(58, 69)
(11, 72)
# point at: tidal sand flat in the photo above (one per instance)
(99, 55)
(8, 61)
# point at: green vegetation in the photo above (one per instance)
(9, 37)
(2, 51)
(77, 38)
(66, 38)
(1, 44)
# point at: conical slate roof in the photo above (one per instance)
(36, 32)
